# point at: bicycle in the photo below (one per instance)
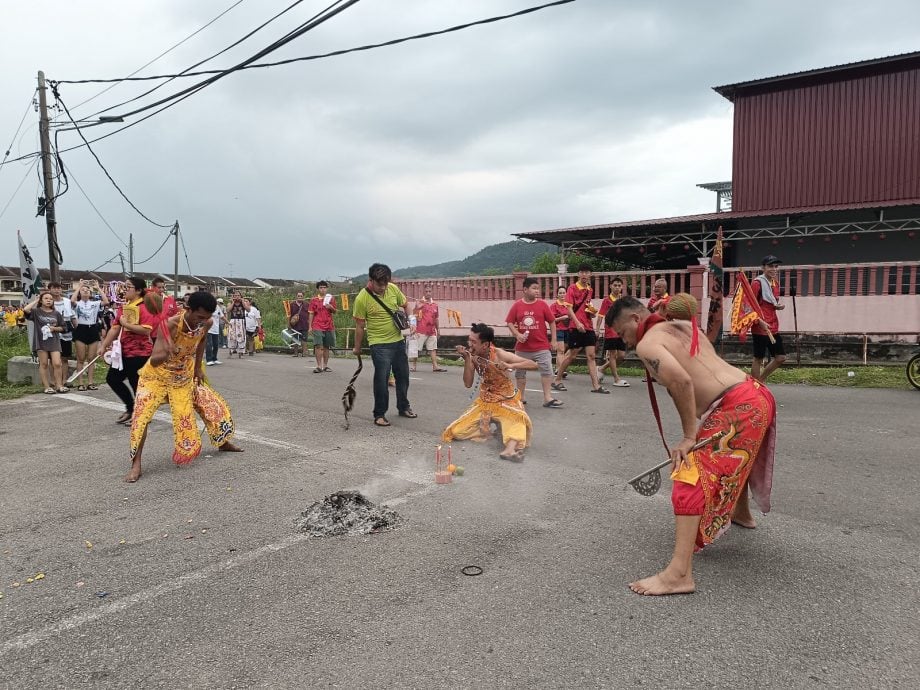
(913, 371)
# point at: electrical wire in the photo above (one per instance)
(335, 53)
(111, 179)
(98, 213)
(160, 248)
(314, 21)
(220, 73)
(201, 62)
(13, 140)
(110, 261)
(182, 240)
(163, 54)
(19, 186)
(310, 24)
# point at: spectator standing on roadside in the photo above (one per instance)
(561, 319)
(373, 312)
(236, 334)
(300, 322)
(87, 302)
(766, 291)
(214, 334)
(253, 324)
(427, 316)
(46, 340)
(65, 309)
(614, 347)
(320, 324)
(581, 329)
(528, 320)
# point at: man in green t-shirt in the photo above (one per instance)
(387, 344)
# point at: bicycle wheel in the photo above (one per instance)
(913, 371)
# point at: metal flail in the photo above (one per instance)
(649, 482)
(348, 397)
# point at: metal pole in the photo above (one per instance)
(131, 252)
(176, 262)
(48, 174)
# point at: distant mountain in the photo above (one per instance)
(496, 259)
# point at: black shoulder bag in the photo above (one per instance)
(400, 320)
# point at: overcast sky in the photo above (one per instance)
(592, 112)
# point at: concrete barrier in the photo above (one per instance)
(23, 369)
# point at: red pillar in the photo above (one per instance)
(519, 283)
(696, 285)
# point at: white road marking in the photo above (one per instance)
(34, 637)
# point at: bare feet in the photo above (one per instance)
(745, 520)
(135, 473)
(228, 447)
(663, 584)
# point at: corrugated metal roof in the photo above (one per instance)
(835, 72)
(778, 214)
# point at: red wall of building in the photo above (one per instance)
(841, 142)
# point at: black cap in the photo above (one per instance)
(769, 260)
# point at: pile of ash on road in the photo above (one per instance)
(345, 513)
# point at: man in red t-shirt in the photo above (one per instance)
(581, 329)
(766, 290)
(528, 320)
(426, 329)
(614, 347)
(319, 322)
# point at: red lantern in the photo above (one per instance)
(750, 243)
(911, 234)
(801, 240)
(642, 250)
(881, 235)
(619, 250)
(827, 239)
(664, 247)
(854, 237)
(686, 247)
(775, 241)
(597, 252)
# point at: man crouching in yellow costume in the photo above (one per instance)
(498, 400)
(173, 374)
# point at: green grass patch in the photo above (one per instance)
(863, 376)
(13, 343)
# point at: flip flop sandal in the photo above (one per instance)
(381, 421)
(92, 387)
(50, 391)
(317, 371)
(124, 419)
(621, 384)
(63, 389)
(408, 413)
(327, 369)
(81, 388)
(553, 403)
(439, 370)
(601, 390)
(558, 387)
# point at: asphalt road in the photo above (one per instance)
(195, 576)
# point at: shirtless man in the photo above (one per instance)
(704, 387)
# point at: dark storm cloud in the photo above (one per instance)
(591, 112)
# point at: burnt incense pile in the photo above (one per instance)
(345, 513)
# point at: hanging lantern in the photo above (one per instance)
(750, 243)
(911, 234)
(801, 240)
(686, 247)
(597, 252)
(881, 235)
(827, 239)
(854, 237)
(642, 250)
(619, 250)
(775, 242)
(664, 248)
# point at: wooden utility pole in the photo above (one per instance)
(48, 175)
(131, 252)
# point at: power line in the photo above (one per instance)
(110, 261)
(111, 179)
(182, 240)
(335, 53)
(219, 74)
(163, 54)
(317, 19)
(160, 248)
(98, 213)
(13, 140)
(207, 59)
(19, 186)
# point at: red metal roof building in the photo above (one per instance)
(825, 169)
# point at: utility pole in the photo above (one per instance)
(176, 264)
(131, 252)
(122, 258)
(48, 174)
